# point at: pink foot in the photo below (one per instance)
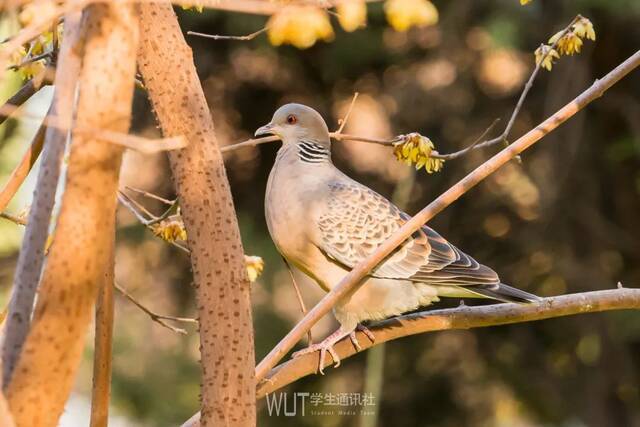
(326, 346)
(365, 331)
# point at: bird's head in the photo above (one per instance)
(295, 122)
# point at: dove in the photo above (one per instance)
(324, 223)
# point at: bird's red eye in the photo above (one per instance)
(291, 119)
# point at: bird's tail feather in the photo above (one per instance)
(504, 293)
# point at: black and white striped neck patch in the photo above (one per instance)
(312, 152)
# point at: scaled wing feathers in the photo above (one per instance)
(357, 220)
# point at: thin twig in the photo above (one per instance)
(134, 142)
(151, 196)
(343, 121)
(470, 147)
(13, 218)
(218, 37)
(23, 168)
(354, 278)
(303, 307)
(139, 212)
(21, 96)
(30, 60)
(158, 318)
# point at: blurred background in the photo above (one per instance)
(564, 220)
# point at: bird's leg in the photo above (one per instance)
(365, 331)
(325, 346)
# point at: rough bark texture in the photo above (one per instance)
(31, 256)
(103, 346)
(217, 259)
(79, 256)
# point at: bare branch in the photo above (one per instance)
(15, 219)
(21, 96)
(343, 121)
(86, 222)
(463, 317)
(303, 307)
(353, 279)
(218, 37)
(23, 168)
(133, 142)
(217, 258)
(31, 256)
(158, 318)
(152, 196)
(103, 346)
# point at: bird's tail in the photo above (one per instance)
(504, 293)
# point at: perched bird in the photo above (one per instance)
(325, 223)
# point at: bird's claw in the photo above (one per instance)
(324, 349)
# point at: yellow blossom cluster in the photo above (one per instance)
(300, 26)
(22, 58)
(254, 265)
(352, 14)
(303, 25)
(404, 14)
(417, 149)
(170, 229)
(566, 42)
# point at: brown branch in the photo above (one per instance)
(342, 122)
(22, 169)
(353, 279)
(217, 257)
(31, 256)
(303, 307)
(463, 317)
(15, 219)
(21, 96)
(218, 37)
(133, 142)
(103, 346)
(85, 227)
(158, 318)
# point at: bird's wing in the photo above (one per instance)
(357, 220)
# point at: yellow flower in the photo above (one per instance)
(584, 28)
(300, 26)
(523, 2)
(568, 43)
(352, 14)
(171, 229)
(417, 149)
(197, 6)
(404, 14)
(254, 265)
(545, 56)
(27, 70)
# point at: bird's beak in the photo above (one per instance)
(267, 129)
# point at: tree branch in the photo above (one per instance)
(85, 227)
(103, 345)
(457, 318)
(31, 257)
(217, 258)
(22, 169)
(158, 318)
(353, 279)
(22, 95)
